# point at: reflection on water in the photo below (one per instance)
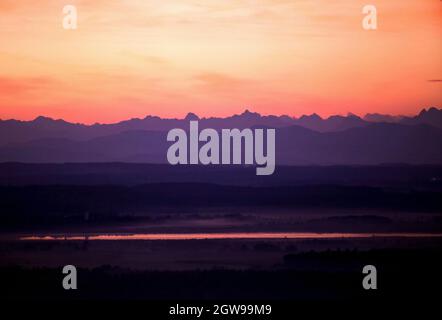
(238, 235)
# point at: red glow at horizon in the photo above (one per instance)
(216, 58)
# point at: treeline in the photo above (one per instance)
(50, 204)
(403, 275)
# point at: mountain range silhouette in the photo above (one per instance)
(307, 140)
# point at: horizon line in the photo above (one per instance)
(246, 111)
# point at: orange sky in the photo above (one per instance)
(131, 58)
